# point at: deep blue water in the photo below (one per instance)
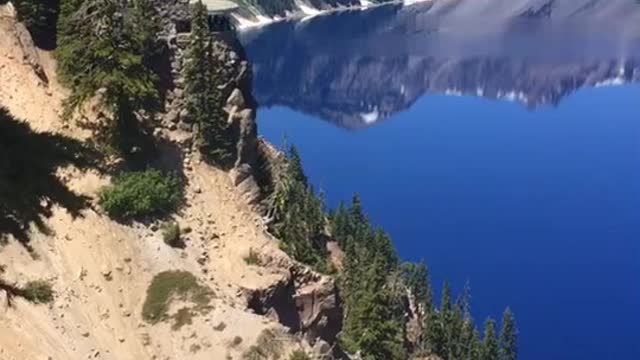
(535, 202)
(538, 210)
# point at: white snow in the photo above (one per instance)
(307, 10)
(371, 117)
(611, 82)
(513, 96)
(411, 2)
(453, 92)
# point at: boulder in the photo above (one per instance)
(244, 125)
(236, 100)
(240, 173)
(250, 190)
(30, 53)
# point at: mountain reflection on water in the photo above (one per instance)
(355, 68)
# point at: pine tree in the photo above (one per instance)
(490, 348)
(371, 327)
(475, 346)
(340, 227)
(385, 250)
(145, 26)
(447, 320)
(203, 99)
(295, 166)
(417, 278)
(435, 341)
(100, 55)
(359, 218)
(508, 337)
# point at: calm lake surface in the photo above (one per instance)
(496, 154)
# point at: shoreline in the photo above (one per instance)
(306, 13)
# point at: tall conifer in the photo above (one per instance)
(508, 337)
(490, 347)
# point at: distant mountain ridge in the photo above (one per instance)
(256, 12)
(355, 68)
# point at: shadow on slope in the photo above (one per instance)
(29, 187)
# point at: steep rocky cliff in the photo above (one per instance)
(102, 271)
(358, 67)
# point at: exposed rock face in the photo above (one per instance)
(357, 68)
(302, 300)
(239, 104)
(25, 41)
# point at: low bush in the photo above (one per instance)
(171, 235)
(269, 345)
(175, 285)
(252, 258)
(135, 194)
(38, 291)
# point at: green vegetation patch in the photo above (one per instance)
(135, 194)
(268, 346)
(299, 355)
(171, 234)
(38, 291)
(252, 258)
(169, 286)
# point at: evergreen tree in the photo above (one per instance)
(417, 279)
(145, 26)
(100, 55)
(203, 99)
(340, 226)
(446, 321)
(371, 327)
(385, 250)
(475, 346)
(508, 337)
(436, 341)
(490, 348)
(295, 166)
(359, 218)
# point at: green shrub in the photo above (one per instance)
(171, 234)
(252, 258)
(38, 291)
(269, 345)
(174, 285)
(134, 194)
(299, 355)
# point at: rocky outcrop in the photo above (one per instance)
(237, 90)
(302, 300)
(25, 42)
(356, 68)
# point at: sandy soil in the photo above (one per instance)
(101, 269)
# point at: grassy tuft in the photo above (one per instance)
(171, 234)
(252, 257)
(168, 286)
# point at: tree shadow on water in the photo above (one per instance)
(29, 187)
